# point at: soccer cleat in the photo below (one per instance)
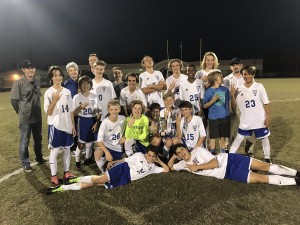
(78, 166)
(71, 180)
(55, 189)
(55, 181)
(67, 177)
(27, 168)
(268, 161)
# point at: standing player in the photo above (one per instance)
(173, 82)
(110, 136)
(93, 58)
(192, 90)
(118, 82)
(130, 93)
(102, 88)
(231, 166)
(59, 107)
(121, 172)
(152, 82)
(253, 103)
(88, 109)
(189, 128)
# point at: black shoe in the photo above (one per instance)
(41, 161)
(298, 174)
(268, 161)
(247, 147)
(297, 179)
(27, 168)
(88, 161)
(53, 190)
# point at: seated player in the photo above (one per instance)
(120, 172)
(231, 166)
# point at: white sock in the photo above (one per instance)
(77, 154)
(266, 147)
(86, 179)
(281, 181)
(128, 147)
(53, 160)
(88, 150)
(100, 163)
(73, 187)
(282, 170)
(236, 144)
(66, 159)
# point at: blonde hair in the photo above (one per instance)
(216, 61)
(113, 102)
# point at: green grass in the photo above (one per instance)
(173, 198)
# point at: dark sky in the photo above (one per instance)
(123, 31)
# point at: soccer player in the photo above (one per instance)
(217, 101)
(59, 107)
(93, 58)
(137, 129)
(192, 90)
(152, 82)
(120, 172)
(130, 93)
(25, 99)
(173, 82)
(110, 136)
(88, 110)
(102, 87)
(253, 103)
(189, 128)
(231, 166)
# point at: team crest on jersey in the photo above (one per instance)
(186, 89)
(150, 168)
(195, 127)
(254, 92)
(198, 88)
(67, 96)
(157, 77)
(93, 102)
(104, 88)
(141, 162)
(110, 130)
(195, 161)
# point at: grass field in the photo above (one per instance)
(173, 198)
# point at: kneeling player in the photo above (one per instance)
(121, 172)
(232, 166)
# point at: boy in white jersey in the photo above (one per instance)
(88, 110)
(102, 87)
(58, 105)
(120, 172)
(253, 103)
(231, 166)
(151, 82)
(173, 82)
(130, 93)
(110, 136)
(189, 128)
(192, 90)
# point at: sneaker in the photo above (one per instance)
(268, 161)
(78, 166)
(67, 177)
(53, 190)
(27, 168)
(55, 181)
(88, 161)
(41, 161)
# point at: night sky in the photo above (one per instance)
(123, 31)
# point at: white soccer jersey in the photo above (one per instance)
(139, 167)
(93, 108)
(179, 80)
(251, 103)
(233, 80)
(171, 121)
(201, 156)
(200, 73)
(126, 97)
(192, 131)
(147, 79)
(110, 133)
(105, 92)
(192, 92)
(61, 117)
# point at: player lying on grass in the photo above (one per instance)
(120, 172)
(232, 166)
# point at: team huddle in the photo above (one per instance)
(152, 125)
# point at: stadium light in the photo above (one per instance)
(16, 76)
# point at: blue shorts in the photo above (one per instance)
(140, 147)
(259, 133)
(119, 175)
(238, 167)
(116, 155)
(58, 138)
(84, 129)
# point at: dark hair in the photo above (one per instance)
(52, 70)
(154, 105)
(175, 147)
(192, 66)
(185, 104)
(85, 79)
(250, 69)
(153, 148)
(131, 75)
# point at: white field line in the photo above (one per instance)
(18, 171)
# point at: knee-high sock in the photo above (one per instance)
(236, 144)
(280, 180)
(282, 170)
(86, 179)
(128, 147)
(77, 154)
(73, 187)
(66, 159)
(266, 147)
(88, 150)
(100, 163)
(53, 160)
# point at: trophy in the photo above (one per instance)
(162, 131)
